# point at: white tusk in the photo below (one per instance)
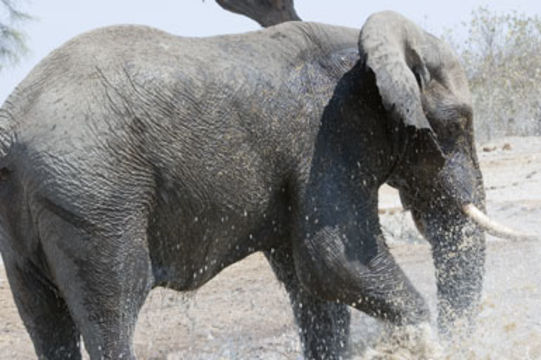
(494, 228)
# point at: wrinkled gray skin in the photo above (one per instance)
(131, 158)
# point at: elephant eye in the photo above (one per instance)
(4, 174)
(422, 76)
(419, 80)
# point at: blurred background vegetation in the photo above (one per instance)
(501, 54)
(12, 44)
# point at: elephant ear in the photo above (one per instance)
(397, 52)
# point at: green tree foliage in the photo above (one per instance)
(502, 58)
(11, 39)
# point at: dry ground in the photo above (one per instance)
(243, 313)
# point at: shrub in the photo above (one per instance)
(502, 58)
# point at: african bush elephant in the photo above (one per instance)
(131, 158)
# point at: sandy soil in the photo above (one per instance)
(244, 314)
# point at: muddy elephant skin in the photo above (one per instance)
(131, 158)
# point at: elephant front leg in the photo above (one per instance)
(323, 325)
(340, 264)
(339, 251)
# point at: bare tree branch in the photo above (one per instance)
(265, 12)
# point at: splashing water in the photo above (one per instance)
(244, 312)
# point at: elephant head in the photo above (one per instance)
(265, 12)
(424, 90)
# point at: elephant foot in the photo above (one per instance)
(406, 342)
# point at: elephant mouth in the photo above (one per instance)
(494, 228)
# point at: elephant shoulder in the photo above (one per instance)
(319, 36)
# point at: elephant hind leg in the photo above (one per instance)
(323, 326)
(104, 278)
(44, 312)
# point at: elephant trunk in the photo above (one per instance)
(458, 249)
(458, 243)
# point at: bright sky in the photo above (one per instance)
(58, 20)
